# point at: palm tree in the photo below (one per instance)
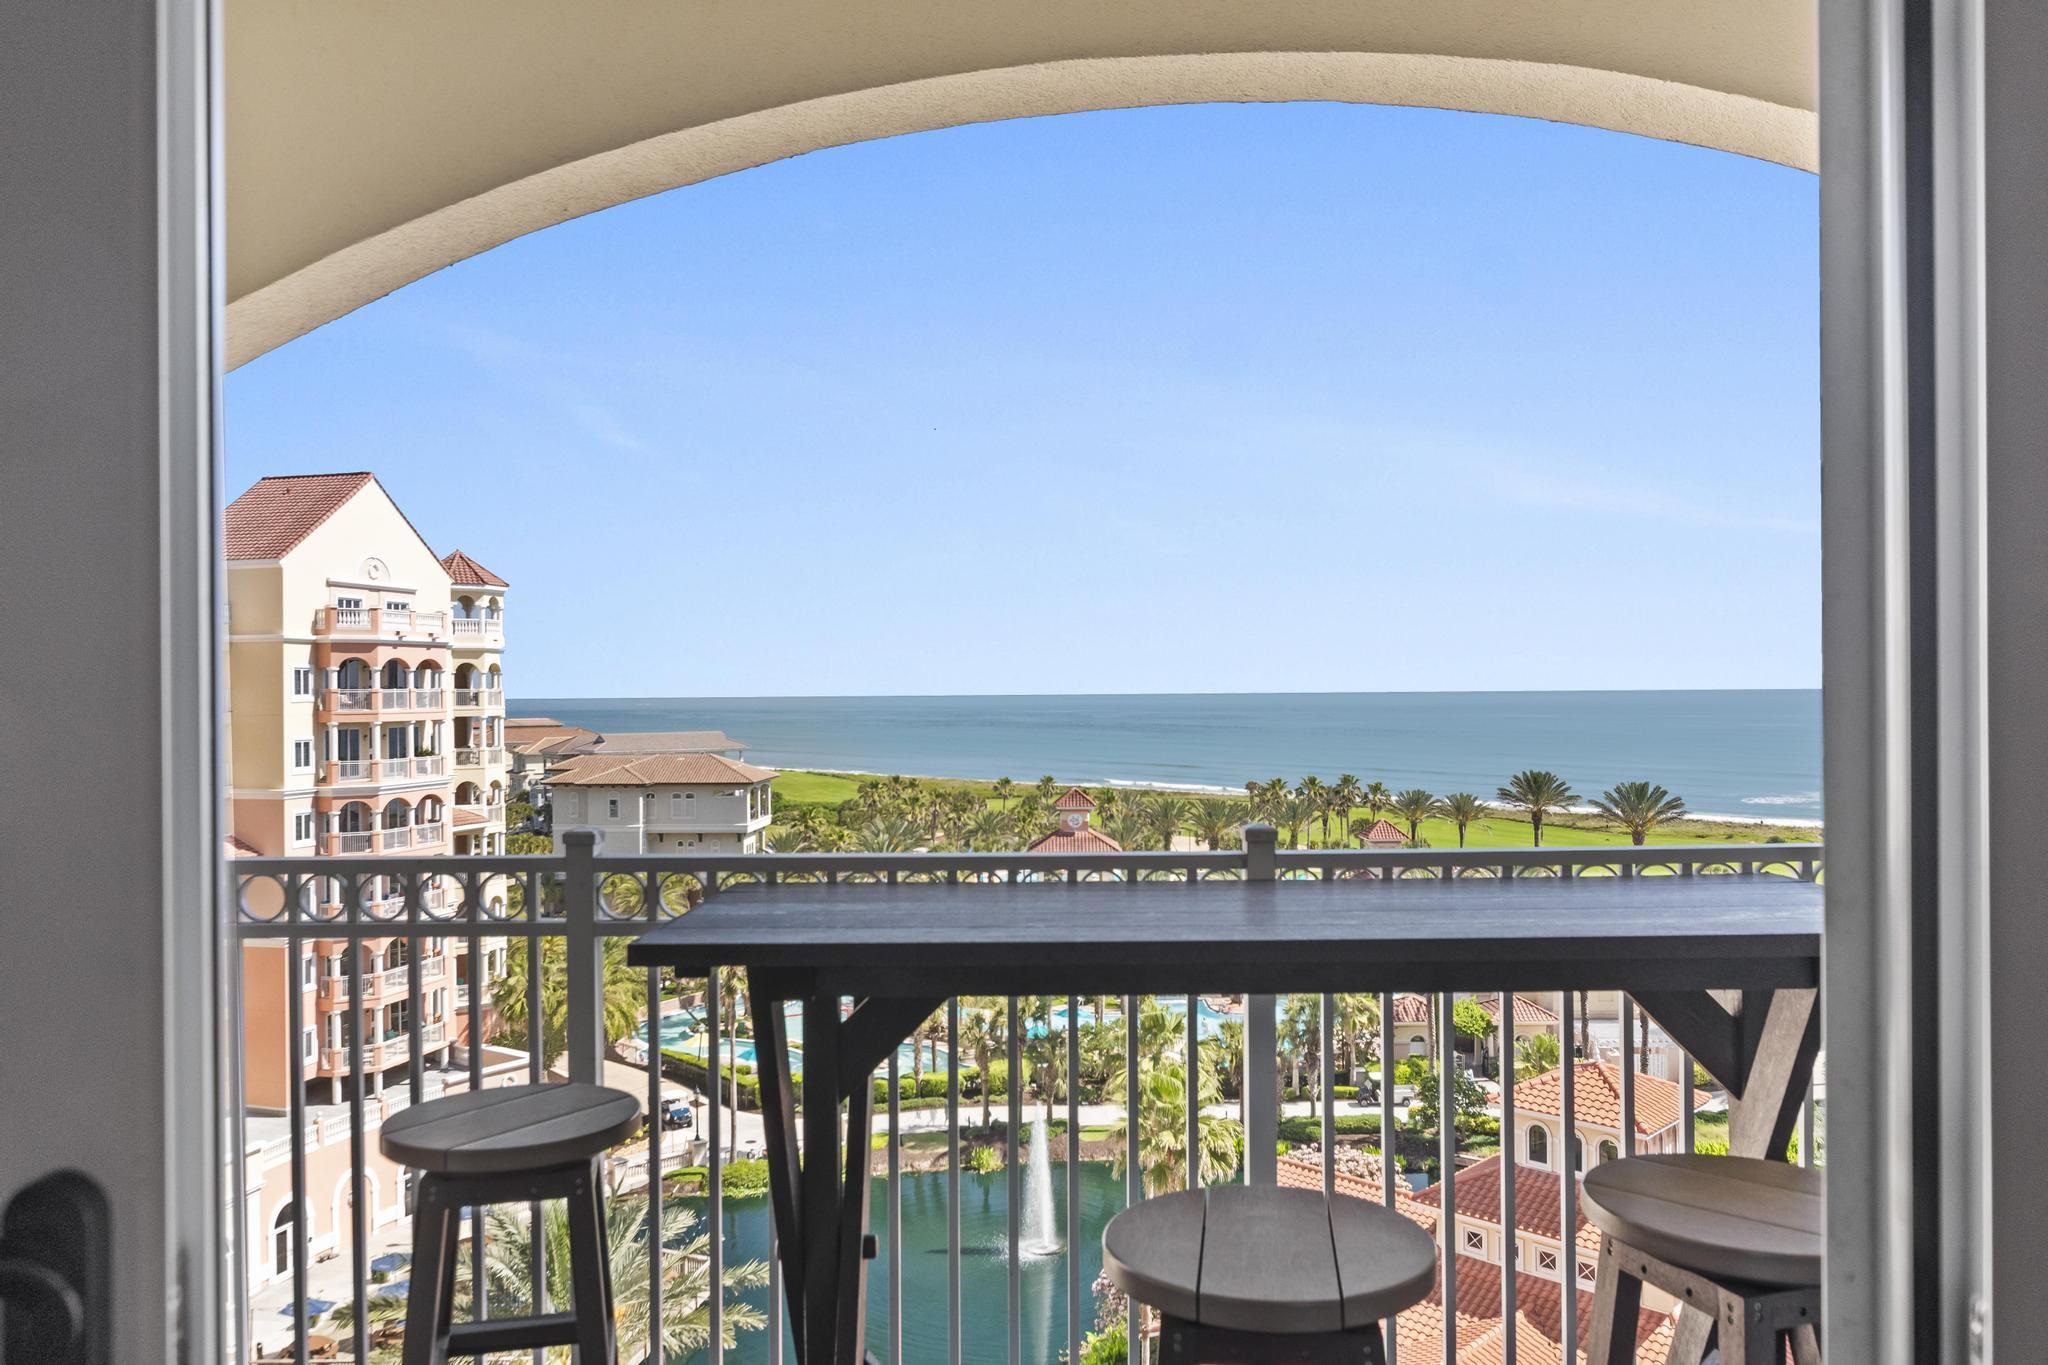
(1162, 1120)
(1218, 821)
(1227, 1048)
(1462, 808)
(984, 1032)
(1048, 788)
(1639, 807)
(1313, 790)
(1376, 798)
(1295, 812)
(1300, 1034)
(1415, 805)
(1540, 793)
(893, 834)
(1358, 1018)
(1266, 797)
(1004, 786)
(732, 984)
(508, 1269)
(1346, 796)
(1164, 816)
(1536, 1054)
(625, 996)
(987, 831)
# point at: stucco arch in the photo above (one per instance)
(466, 123)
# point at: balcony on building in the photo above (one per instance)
(1559, 1125)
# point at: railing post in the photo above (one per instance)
(1261, 1040)
(579, 903)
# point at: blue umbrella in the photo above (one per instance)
(394, 1290)
(314, 1308)
(390, 1261)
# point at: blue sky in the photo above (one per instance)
(1217, 398)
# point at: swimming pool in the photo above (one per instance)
(684, 1033)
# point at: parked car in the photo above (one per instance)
(677, 1114)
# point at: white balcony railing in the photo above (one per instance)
(351, 699)
(351, 770)
(396, 837)
(428, 765)
(476, 628)
(380, 621)
(428, 698)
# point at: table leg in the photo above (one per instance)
(1762, 1052)
(778, 1123)
(825, 1268)
(1786, 1024)
(820, 1193)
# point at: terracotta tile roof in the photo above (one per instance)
(1596, 1097)
(1539, 1317)
(1383, 833)
(467, 573)
(276, 513)
(471, 817)
(1074, 799)
(665, 741)
(654, 770)
(1411, 1009)
(1538, 1301)
(232, 847)
(1527, 1011)
(1478, 1195)
(1414, 1009)
(1075, 841)
(543, 735)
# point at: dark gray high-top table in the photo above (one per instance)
(900, 950)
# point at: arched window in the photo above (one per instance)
(282, 1229)
(1578, 1151)
(1418, 1044)
(397, 815)
(397, 675)
(1539, 1145)
(1608, 1151)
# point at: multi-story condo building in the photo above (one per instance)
(366, 709)
(665, 803)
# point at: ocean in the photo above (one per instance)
(1751, 755)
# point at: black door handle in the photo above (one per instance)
(55, 1254)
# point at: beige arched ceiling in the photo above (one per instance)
(370, 142)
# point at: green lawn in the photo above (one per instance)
(1499, 831)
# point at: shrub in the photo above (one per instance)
(746, 1179)
(984, 1161)
(1106, 1347)
(692, 1072)
(1344, 1092)
(1309, 1127)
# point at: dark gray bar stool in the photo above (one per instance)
(1737, 1238)
(509, 1146)
(1255, 1274)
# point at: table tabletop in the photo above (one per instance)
(1723, 931)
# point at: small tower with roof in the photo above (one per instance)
(1074, 834)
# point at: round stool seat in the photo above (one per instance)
(1725, 1217)
(1253, 1258)
(517, 1128)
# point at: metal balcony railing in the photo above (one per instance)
(579, 901)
